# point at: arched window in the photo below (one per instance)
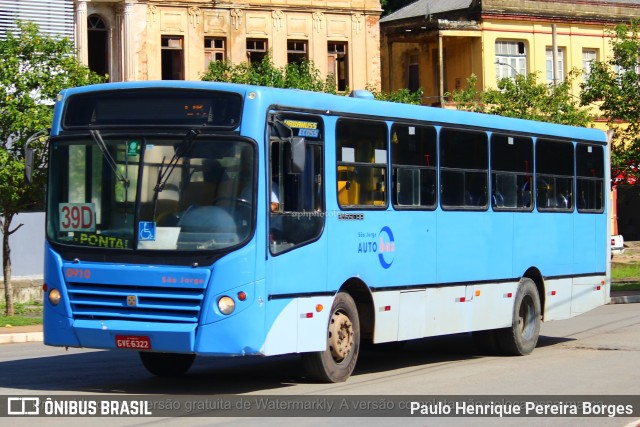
(98, 39)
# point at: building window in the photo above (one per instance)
(560, 63)
(172, 58)
(297, 51)
(214, 50)
(98, 45)
(338, 65)
(256, 50)
(588, 57)
(511, 59)
(414, 73)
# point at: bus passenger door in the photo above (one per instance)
(297, 253)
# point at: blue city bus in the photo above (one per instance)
(197, 218)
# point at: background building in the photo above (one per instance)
(438, 44)
(153, 40)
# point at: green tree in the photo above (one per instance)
(614, 86)
(524, 97)
(304, 76)
(296, 76)
(403, 96)
(33, 70)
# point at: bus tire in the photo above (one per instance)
(336, 363)
(167, 364)
(521, 338)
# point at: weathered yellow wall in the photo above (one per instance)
(317, 22)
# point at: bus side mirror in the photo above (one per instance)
(41, 137)
(298, 154)
(28, 165)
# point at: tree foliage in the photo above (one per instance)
(614, 86)
(33, 70)
(403, 96)
(302, 75)
(526, 98)
(295, 76)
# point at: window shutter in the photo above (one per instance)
(54, 17)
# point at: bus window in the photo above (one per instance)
(554, 175)
(511, 172)
(362, 163)
(414, 160)
(463, 169)
(590, 177)
(296, 213)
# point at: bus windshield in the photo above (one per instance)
(140, 192)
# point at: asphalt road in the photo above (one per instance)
(597, 353)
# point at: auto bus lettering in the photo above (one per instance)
(381, 243)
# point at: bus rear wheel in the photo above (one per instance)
(521, 338)
(167, 364)
(337, 361)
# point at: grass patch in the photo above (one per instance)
(19, 321)
(25, 314)
(625, 271)
(630, 286)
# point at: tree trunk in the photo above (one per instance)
(6, 266)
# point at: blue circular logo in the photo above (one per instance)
(387, 247)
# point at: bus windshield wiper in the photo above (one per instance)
(95, 134)
(164, 173)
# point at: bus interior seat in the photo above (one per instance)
(163, 209)
(563, 201)
(198, 193)
(498, 200)
(348, 187)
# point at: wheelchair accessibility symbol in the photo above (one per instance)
(146, 231)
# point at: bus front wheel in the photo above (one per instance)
(167, 364)
(521, 338)
(337, 361)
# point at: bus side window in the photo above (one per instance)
(511, 172)
(362, 163)
(554, 175)
(464, 165)
(414, 160)
(590, 176)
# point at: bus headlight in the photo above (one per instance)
(226, 305)
(54, 296)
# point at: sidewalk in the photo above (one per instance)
(18, 334)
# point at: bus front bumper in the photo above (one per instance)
(119, 334)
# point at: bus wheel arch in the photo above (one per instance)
(521, 337)
(348, 318)
(534, 274)
(361, 295)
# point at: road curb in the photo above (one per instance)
(625, 299)
(21, 337)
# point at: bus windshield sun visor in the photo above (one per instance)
(153, 107)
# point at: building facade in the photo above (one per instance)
(154, 40)
(438, 44)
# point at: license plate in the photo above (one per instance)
(133, 342)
